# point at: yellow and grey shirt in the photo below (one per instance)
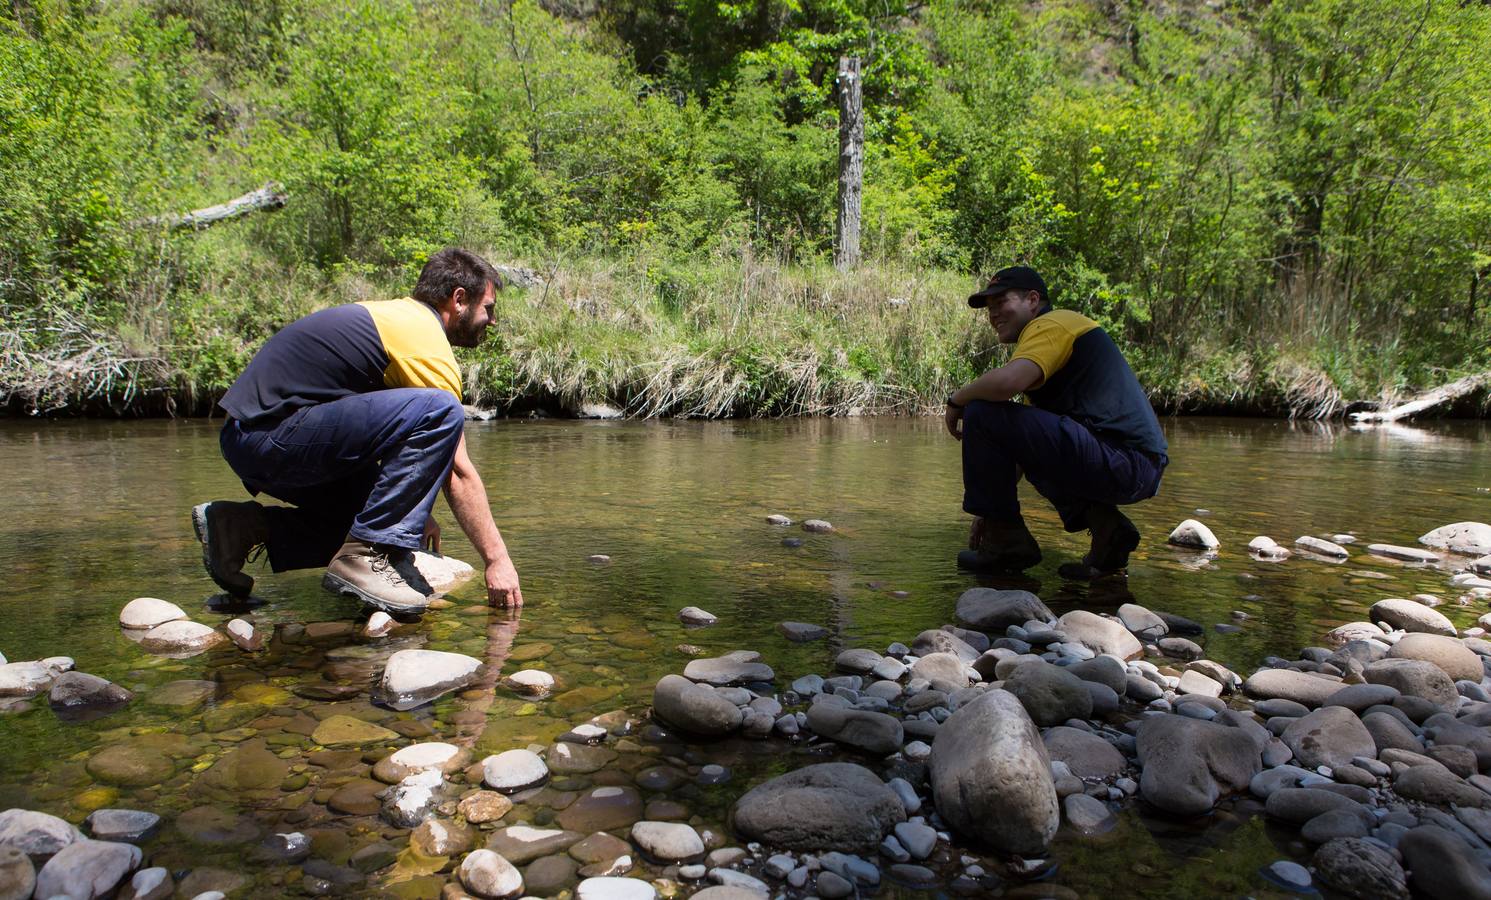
(341, 351)
(1087, 378)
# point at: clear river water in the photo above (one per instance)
(98, 514)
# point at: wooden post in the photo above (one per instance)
(851, 162)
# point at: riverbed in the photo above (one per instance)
(99, 514)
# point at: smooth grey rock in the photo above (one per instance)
(802, 632)
(1449, 654)
(17, 874)
(1190, 764)
(1088, 815)
(1289, 875)
(1103, 670)
(1142, 689)
(668, 842)
(1099, 635)
(1144, 624)
(992, 610)
(823, 806)
(940, 640)
(415, 677)
(78, 691)
(522, 844)
(693, 615)
(36, 834)
(1321, 547)
(413, 799)
(1279, 707)
(817, 526)
(1439, 786)
(859, 661)
(1406, 554)
(123, 825)
(1360, 697)
(1337, 823)
(1360, 868)
(1179, 648)
(1409, 615)
(180, 638)
(1050, 694)
(1465, 538)
(728, 669)
(991, 777)
(1287, 684)
(84, 870)
(1415, 678)
(869, 731)
(918, 839)
(944, 670)
(1085, 754)
(1300, 805)
(1329, 736)
(144, 613)
(694, 708)
(1388, 732)
(1193, 682)
(1441, 865)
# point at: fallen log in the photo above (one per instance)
(269, 197)
(1428, 400)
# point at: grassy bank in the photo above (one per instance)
(729, 336)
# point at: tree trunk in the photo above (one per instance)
(851, 162)
(270, 196)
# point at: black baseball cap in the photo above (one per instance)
(1014, 278)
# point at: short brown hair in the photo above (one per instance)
(453, 268)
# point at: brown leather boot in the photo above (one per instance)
(381, 577)
(229, 532)
(1114, 537)
(1000, 547)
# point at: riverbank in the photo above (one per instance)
(730, 338)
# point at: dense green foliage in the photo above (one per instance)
(1273, 205)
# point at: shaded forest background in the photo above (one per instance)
(1275, 207)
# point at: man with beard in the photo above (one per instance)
(353, 415)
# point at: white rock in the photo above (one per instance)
(148, 612)
(444, 573)
(151, 884)
(36, 834)
(411, 800)
(25, 679)
(513, 770)
(693, 615)
(421, 757)
(87, 869)
(414, 677)
(244, 635)
(379, 624)
(1267, 548)
(487, 874)
(668, 841)
(180, 638)
(1469, 538)
(1407, 554)
(1192, 533)
(1193, 682)
(530, 681)
(59, 664)
(1321, 547)
(612, 888)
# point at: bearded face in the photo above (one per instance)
(469, 326)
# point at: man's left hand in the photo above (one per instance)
(952, 419)
(502, 583)
(431, 538)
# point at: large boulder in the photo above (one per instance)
(695, 708)
(1415, 678)
(989, 610)
(39, 835)
(1050, 694)
(1330, 736)
(1410, 615)
(78, 692)
(87, 869)
(1190, 764)
(1287, 684)
(1086, 754)
(1449, 654)
(827, 806)
(1469, 538)
(1442, 865)
(1099, 635)
(872, 732)
(1360, 868)
(415, 677)
(991, 777)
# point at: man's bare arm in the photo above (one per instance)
(467, 497)
(1013, 377)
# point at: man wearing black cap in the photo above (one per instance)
(1086, 439)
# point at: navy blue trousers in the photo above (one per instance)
(1066, 462)
(368, 466)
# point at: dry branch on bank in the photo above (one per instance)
(1427, 400)
(271, 196)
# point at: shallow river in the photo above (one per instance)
(97, 513)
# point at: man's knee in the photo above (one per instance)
(989, 416)
(441, 408)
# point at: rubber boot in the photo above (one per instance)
(1114, 537)
(381, 577)
(229, 532)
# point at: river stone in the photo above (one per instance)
(619, 888)
(36, 834)
(1415, 678)
(1409, 615)
(1360, 868)
(945, 671)
(245, 635)
(488, 875)
(358, 797)
(87, 869)
(212, 826)
(149, 884)
(726, 670)
(1139, 688)
(1099, 635)
(182, 697)
(602, 809)
(25, 679)
(1088, 815)
(77, 691)
(1441, 865)
(1321, 547)
(133, 763)
(522, 844)
(872, 732)
(447, 758)
(1195, 683)
(599, 848)
(859, 661)
(145, 613)
(1085, 754)
(825, 806)
(1287, 684)
(343, 729)
(1050, 694)
(668, 842)
(940, 640)
(693, 615)
(1467, 538)
(1353, 632)
(1407, 554)
(415, 677)
(694, 708)
(533, 682)
(991, 777)
(1437, 785)
(547, 876)
(802, 632)
(17, 874)
(1360, 697)
(1103, 670)
(437, 837)
(567, 758)
(1329, 736)
(443, 573)
(1448, 653)
(991, 610)
(513, 770)
(181, 638)
(1144, 624)
(1189, 764)
(484, 806)
(247, 768)
(125, 825)
(1337, 823)
(1192, 533)
(1299, 805)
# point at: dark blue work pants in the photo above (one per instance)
(368, 466)
(1066, 462)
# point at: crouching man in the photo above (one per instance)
(353, 415)
(1086, 439)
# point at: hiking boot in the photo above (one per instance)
(229, 533)
(1000, 547)
(379, 576)
(1114, 537)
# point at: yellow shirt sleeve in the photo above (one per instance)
(418, 353)
(1047, 343)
